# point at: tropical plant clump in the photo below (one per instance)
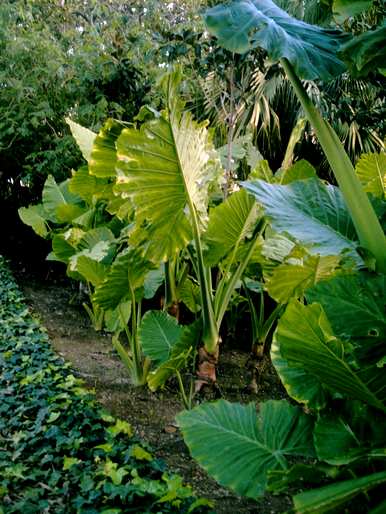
(59, 451)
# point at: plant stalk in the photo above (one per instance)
(366, 223)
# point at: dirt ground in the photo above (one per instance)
(152, 415)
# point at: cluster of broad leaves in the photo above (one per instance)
(147, 211)
(148, 201)
(328, 350)
(328, 347)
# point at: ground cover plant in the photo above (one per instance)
(59, 451)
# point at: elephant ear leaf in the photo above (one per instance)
(229, 225)
(127, 274)
(167, 344)
(165, 167)
(311, 212)
(306, 341)
(254, 443)
(158, 334)
(246, 24)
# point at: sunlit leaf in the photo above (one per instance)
(83, 136)
(311, 212)
(371, 170)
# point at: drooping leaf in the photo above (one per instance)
(243, 25)
(158, 333)
(300, 384)
(36, 217)
(116, 319)
(82, 184)
(83, 136)
(62, 249)
(189, 294)
(254, 443)
(165, 167)
(311, 212)
(103, 157)
(329, 497)
(229, 225)
(92, 270)
(371, 170)
(306, 341)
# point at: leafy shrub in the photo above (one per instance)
(59, 452)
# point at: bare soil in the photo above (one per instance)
(152, 415)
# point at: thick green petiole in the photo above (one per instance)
(366, 223)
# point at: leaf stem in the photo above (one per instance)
(366, 223)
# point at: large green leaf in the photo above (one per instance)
(329, 497)
(306, 341)
(371, 171)
(246, 24)
(165, 167)
(229, 225)
(103, 157)
(300, 384)
(237, 446)
(311, 212)
(354, 304)
(158, 333)
(83, 136)
(180, 352)
(36, 217)
(126, 274)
